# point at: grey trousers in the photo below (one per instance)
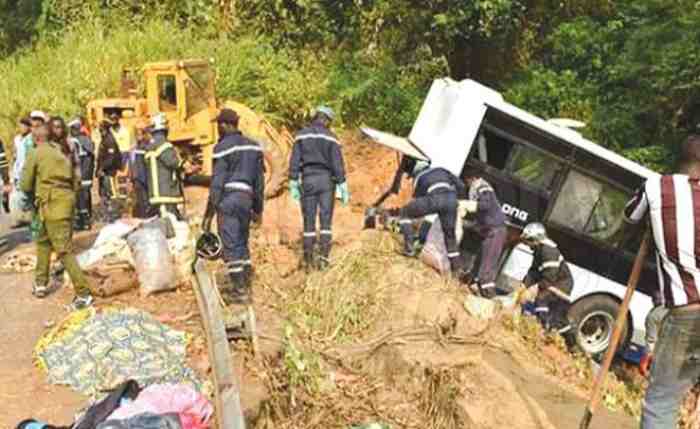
(675, 369)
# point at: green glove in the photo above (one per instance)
(294, 190)
(342, 192)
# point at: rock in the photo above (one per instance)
(480, 308)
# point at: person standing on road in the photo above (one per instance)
(49, 173)
(24, 143)
(436, 191)
(4, 178)
(490, 224)
(316, 175)
(85, 152)
(237, 193)
(672, 203)
(109, 163)
(551, 275)
(138, 172)
(165, 170)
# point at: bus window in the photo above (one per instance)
(532, 167)
(167, 93)
(590, 207)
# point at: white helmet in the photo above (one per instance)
(534, 233)
(159, 122)
(420, 166)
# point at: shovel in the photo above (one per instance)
(617, 332)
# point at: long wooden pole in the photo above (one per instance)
(617, 332)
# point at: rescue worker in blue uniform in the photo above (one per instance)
(138, 172)
(436, 191)
(490, 225)
(165, 170)
(316, 175)
(85, 152)
(406, 166)
(236, 196)
(552, 276)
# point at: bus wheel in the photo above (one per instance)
(593, 321)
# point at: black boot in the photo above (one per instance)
(488, 290)
(324, 256)
(236, 293)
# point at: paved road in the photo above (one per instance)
(24, 391)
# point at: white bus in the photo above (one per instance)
(542, 172)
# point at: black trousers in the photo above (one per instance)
(317, 202)
(552, 310)
(142, 206)
(108, 198)
(444, 204)
(233, 219)
(84, 203)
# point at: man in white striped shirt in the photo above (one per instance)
(673, 205)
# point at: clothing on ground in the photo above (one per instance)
(103, 349)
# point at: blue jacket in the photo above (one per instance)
(437, 180)
(316, 150)
(489, 212)
(238, 166)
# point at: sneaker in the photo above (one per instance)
(80, 302)
(40, 291)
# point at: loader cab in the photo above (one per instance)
(184, 91)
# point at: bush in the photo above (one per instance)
(61, 75)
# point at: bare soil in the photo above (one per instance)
(485, 381)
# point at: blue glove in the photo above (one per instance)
(294, 190)
(342, 192)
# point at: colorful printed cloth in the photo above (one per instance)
(117, 345)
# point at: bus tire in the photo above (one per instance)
(593, 321)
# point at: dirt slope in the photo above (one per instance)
(376, 338)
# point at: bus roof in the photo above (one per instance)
(569, 136)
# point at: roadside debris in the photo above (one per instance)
(18, 262)
(94, 352)
(152, 259)
(481, 308)
(164, 399)
(159, 406)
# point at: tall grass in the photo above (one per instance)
(61, 73)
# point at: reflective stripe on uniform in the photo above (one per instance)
(559, 293)
(236, 149)
(309, 234)
(487, 285)
(405, 221)
(541, 309)
(152, 158)
(139, 152)
(439, 185)
(239, 185)
(86, 183)
(166, 200)
(326, 232)
(552, 264)
(315, 136)
(454, 255)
